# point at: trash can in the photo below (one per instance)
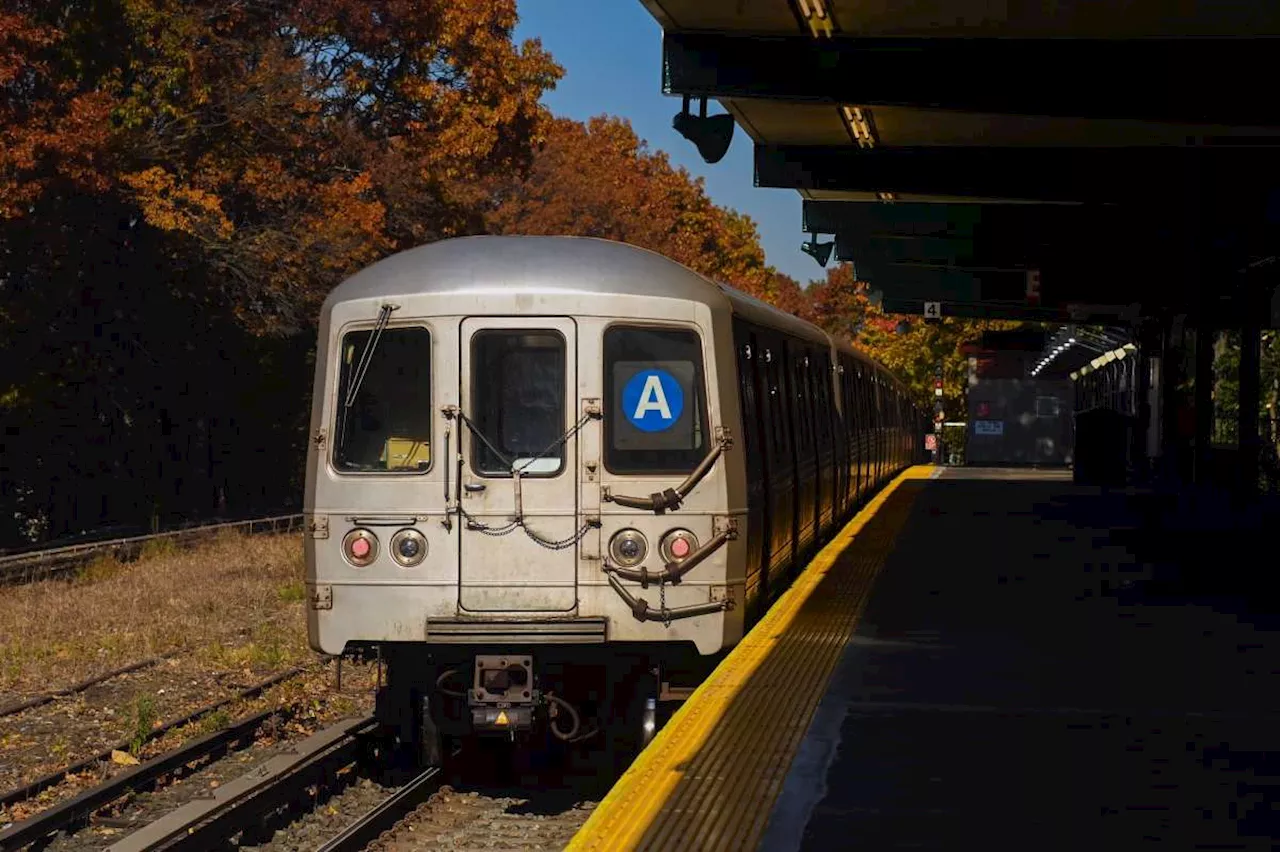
(1102, 447)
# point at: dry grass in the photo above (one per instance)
(236, 601)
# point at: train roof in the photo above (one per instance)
(568, 264)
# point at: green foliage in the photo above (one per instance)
(143, 719)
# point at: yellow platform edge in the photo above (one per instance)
(626, 812)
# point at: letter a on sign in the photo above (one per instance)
(652, 399)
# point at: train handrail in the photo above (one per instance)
(671, 498)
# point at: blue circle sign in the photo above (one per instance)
(652, 400)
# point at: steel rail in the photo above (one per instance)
(40, 700)
(34, 788)
(240, 803)
(386, 815)
(48, 562)
(77, 809)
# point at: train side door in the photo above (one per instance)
(755, 452)
(518, 473)
(774, 407)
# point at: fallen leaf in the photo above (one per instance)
(123, 758)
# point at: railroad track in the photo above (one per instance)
(28, 567)
(283, 782)
(40, 700)
(387, 814)
(34, 788)
(74, 812)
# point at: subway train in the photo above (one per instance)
(551, 480)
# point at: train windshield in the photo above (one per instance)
(656, 417)
(387, 428)
(518, 393)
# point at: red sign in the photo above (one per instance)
(931, 442)
(1033, 286)
(984, 409)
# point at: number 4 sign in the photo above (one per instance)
(933, 310)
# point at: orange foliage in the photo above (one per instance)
(280, 146)
(599, 180)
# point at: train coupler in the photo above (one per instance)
(502, 698)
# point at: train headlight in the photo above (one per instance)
(408, 547)
(628, 548)
(360, 547)
(677, 545)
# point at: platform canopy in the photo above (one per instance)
(1071, 160)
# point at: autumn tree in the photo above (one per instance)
(910, 347)
(599, 179)
(178, 176)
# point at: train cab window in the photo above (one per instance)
(655, 419)
(517, 401)
(384, 402)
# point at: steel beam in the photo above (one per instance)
(1151, 177)
(1202, 80)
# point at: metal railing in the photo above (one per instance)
(51, 562)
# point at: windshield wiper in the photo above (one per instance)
(362, 367)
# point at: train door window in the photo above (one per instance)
(656, 420)
(384, 402)
(801, 403)
(822, 379)
(748, 363)
(847, 379)
(518, 393)
(778, 404)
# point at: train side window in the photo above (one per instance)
(778, 399)
(802, 404)
(656, 417)
(517, 393)
(822, 378)
(387, 426)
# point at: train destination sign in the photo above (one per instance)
(988, 427)
(653, 400)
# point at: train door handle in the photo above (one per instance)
(474, 487)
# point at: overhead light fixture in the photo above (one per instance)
(816, 16)
(820, 252)
(858, 123)
(711, 134)
(1075, 374)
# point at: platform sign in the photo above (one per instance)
(931, 443)
(988, 427)
(932, 310)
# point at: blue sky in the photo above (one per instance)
(611, 52)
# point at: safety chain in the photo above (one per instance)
(662, 604)
(519, 521)
(557, 545)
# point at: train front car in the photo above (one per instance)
(522, 486)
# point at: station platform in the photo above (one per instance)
(985, 659)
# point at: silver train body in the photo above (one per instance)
(531, 453)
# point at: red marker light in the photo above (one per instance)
(360, 548)
(680, 548)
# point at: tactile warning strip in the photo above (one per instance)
(710, 778)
